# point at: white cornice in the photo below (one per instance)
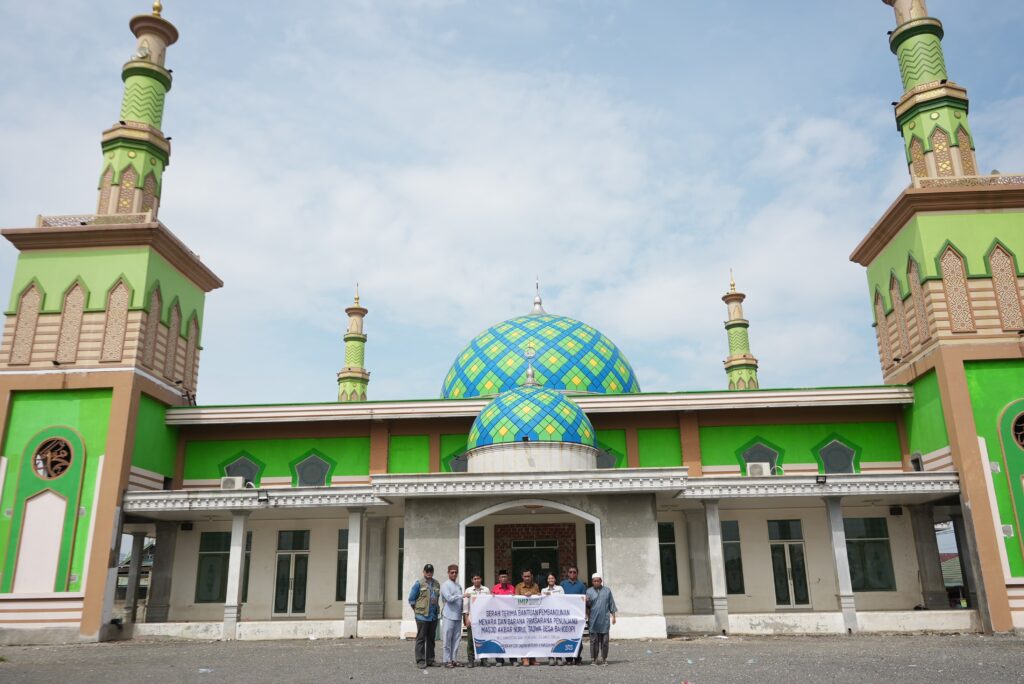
(861, 484)
(248, 499)
(590, 403)
(610, 481)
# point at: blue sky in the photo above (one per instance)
(444, 154)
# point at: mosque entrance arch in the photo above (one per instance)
(530, 532)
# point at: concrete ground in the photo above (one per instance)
(834, 660)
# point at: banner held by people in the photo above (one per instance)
(527, 626)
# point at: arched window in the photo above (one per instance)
(191, 347)
(312, 471)
(1004, 281)
(954, 282)
(25, 325)
(156, 304)
(882, 330)
(117, 322)
(243, 467)
(966, 153)
(148, 193)
(105, 183)
(760, 453)
(836, 457)
(126, 194)
(918, 166)
(71, 324)
(940, 148)
(924, 332)
(173, 334)
(901, 317)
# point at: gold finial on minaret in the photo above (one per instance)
(732, 282)
(356, 300)
(158, 7)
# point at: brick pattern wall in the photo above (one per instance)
(504, 535)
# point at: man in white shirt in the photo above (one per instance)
(553, 587)
(474, 590)
(451, 614)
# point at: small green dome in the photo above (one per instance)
(532, 413)
(569, 355)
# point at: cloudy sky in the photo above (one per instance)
(444, 154)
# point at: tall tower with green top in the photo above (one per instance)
(741, 365)
(932, 113)
(947, 293)
(103, 333)
(135, 150)
(353, 378)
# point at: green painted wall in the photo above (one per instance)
(614, 441)
(926, 425)
(205, 460)
(997, 391)
(99, 270)
(409, 454)
(799, 443)
(87, 414)
(925, 237)
(451, 446)
(659, 448)
(156, 445)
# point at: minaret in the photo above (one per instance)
(353, 378)
(741, 366)
(932, 114)
(135, 151)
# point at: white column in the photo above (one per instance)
(372, 578)
(716, 561)
(837, 535)
(700, 568)
(158, 605)
(355, 528)
(933, 588)
(233, 600)
(131, 599)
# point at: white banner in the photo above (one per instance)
(527, 626)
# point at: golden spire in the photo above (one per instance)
(158, 7)
(356, 301)
(732, 282)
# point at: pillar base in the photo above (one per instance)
(351, 619)
(849, 609)
(721, 611)
(232, 614)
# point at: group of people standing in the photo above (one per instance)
(449, 603)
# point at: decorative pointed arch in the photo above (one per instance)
(191, 346)
(741, 384)
(105, 182)
(882, 331)
(963, 141)
(918, 166)
(126, 193)
(896, 293)
(954, 282)
(173, 335)
(1004, 282)
(116, 323)
(156, 304)
(29, 304)
(148, 193)
(72, 311)
(940, 148)
(924, 332)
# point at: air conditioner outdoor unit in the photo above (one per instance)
(759, 470)
(232, 483)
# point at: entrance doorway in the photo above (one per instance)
(789, 566)
(539, 555)
(291, 573)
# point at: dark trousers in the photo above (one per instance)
(426, 632)
(599, 646)
(470, 651)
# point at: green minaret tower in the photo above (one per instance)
(932, 114)
(741, 366)
(353, 378)
(135, 151)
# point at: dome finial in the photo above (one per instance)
(356, 300)
(538, 307)
(732, 282)
(158, 7)
(531, 379)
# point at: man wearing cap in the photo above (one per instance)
(572, 585)
(600, 606)
(423, 598)
(451, 618)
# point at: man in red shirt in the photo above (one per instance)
(503, 588)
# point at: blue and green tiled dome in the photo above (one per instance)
(570, 355)
(537, 413)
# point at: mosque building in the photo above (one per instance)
(743, 510)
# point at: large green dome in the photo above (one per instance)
(569, 355)
(531, 414)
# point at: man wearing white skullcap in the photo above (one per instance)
(600, 607)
